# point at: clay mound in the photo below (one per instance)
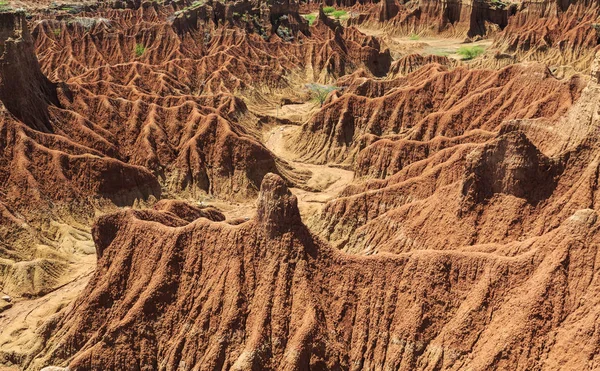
(267, 294)
(189, 212)
(521, 184)
(382, 158)
(148, 107)
(413, 62)
(433, 102)
(510, 165)
(559, 33)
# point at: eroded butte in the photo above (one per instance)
(283, 185)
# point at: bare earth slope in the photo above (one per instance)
(268, 294)
(178, 193)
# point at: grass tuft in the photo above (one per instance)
(470, 52)
(339, 13)
(310, 18)
(328, 9)
(139, 50)
(319, 92)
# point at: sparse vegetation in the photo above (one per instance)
(319, 92)
(499, 4)
(56, 32)
(310, 18)
(339, 13)
(139, 50)
(4, 6)
(414, 37)
(194, 5)
(328, 9)
(470, 52)
(69, 8)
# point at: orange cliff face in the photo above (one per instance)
(117, 128)
(553, 32)
(269, 294)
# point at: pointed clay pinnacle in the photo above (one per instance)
(277, 206)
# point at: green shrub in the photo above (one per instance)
(139, 50)
(56, 32)
(319, 92)
(470, 52)
(414, 37)
(310, 18)
(328, 9)
(499, 4)
(339, 13)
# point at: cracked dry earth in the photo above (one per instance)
(176, 193)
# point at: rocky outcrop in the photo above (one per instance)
(410, 63)
(210, 295)
(509, 165)
(431, 102)
(277, 208)
(188, 212)
(558, 33)
(24, 90)
(468, 18)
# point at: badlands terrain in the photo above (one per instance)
(282, 185)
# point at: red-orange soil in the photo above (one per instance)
(177, 194)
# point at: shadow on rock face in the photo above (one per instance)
(511, 165)
(24, 89)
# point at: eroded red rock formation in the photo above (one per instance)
(268, 294)
(141, 108)
(468, 239)
(555, 32)
(432, 102)
(453, 17)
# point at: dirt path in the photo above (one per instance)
(328, 180)
(400, 46)
(293, 112)
(18, 324)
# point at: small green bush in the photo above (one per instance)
(499, 4)
(319, 92)
(4, 6)
(310, 18)
(339, 13)
(328, 9)
(139, 50)
(470, 52)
